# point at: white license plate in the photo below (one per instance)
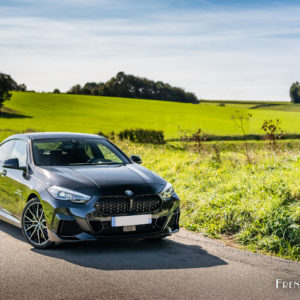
(131, 220)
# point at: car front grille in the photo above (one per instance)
(123, 205)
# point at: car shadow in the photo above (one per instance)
(127, 255)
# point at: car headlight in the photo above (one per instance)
(61, 193)
(167, 192)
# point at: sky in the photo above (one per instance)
(240, 50)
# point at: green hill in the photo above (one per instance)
(61, 112)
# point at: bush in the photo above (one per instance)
(192, 140)
(138, 135)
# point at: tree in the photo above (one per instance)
(21, 87)
(56, 91)
(295, 92)
(76, 89)
(7, 84)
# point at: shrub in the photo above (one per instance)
(139, 135)
(192, 140)
(110, 135)
(273, 131)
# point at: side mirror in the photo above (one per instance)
(13, 163)
(136, 159)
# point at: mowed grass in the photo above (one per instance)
(61, 112)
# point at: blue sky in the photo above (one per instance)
(218, 49)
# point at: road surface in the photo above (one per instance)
(185, 266)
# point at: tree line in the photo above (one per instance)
(130, 86)
(124, 85)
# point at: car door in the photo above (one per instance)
(13, 180)
(5, 149)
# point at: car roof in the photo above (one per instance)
(53, 135)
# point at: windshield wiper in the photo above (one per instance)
(78, 164)
(108, 163)
(95, 164)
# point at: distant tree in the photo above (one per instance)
(93, 88)
(56, 91)
(7, 84)
(21, 87)
(295, 92)
(76, 89)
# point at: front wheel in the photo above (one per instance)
(34, 225)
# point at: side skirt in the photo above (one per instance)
(9, 219)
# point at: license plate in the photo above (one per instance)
(131, 220)
(129, 228)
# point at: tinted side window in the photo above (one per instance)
(4, 150)
(19, 152)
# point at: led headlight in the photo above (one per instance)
(61, 193)
(167, 192)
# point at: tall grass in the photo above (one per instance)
(221, 194)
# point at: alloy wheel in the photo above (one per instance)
(34, 224)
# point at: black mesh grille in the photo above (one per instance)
(113, 205)
(143, 204)
(68, 228)
(124, 205)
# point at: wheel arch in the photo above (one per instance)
(32, 196)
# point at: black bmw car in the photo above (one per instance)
(66, 187)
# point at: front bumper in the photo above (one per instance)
(70, 222)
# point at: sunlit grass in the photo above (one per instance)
(90, 114)
(257, 204)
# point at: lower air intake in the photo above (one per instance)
(68, 228)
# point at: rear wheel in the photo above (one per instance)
(34, 225)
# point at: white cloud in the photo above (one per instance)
(244, 54)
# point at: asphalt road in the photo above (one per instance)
(186, 266)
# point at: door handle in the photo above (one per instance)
(4, 172)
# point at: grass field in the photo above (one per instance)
(52, 112)
(256, 205)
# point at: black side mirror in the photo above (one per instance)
(136, 159)
(13, 163)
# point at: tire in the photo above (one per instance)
(34, 225)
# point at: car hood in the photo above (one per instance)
(105, 179)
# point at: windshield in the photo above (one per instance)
(67, 152)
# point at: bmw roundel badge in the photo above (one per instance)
(128, 193)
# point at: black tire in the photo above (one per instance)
(34, 225)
